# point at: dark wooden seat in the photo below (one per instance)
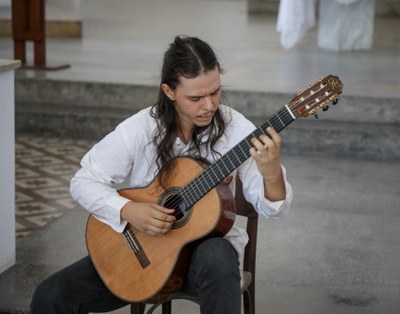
(243, 208)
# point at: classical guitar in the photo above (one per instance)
(138, 267)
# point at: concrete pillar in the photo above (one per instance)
(7, 164)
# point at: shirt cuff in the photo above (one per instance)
(117, 202)
(279, 208)
(273, 207)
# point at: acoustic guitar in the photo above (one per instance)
(138, 267)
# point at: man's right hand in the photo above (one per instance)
(150, 218)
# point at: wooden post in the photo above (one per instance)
(28, 24)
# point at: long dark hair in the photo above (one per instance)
(187, 57)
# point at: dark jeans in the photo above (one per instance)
(213, 276)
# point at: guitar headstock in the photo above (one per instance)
(316, 97)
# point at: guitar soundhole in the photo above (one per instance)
(171, 199)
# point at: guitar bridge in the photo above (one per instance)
(136, 248)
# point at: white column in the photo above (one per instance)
(7, 164)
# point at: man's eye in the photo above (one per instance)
(194, 98)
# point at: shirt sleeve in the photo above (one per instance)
(253, 191)
(107, 164)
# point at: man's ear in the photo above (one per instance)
(168, 91)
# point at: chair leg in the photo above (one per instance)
(248, 304)
(167, 307)
(138, 308)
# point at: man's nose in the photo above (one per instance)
(208, 103)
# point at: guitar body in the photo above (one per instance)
(160, 266)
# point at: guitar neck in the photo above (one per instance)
(237, 155)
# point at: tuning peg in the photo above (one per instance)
(335, 101)
(316, 116)
(325, 108)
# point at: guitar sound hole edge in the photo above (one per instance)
(171, 199)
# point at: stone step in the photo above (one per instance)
(67, 121)
(343, 139)
(320, 137)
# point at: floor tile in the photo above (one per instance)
(44, 168)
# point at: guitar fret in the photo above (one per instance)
(212, 169)
(186, 197)
(290, 112)
(211, 179)
(280, 119)
(201, 183)
(230, 159)
(189, 198)
(202, 180)
(242, 153)
(195, 190)
(215, 167)
(222, 161)
(233, 150)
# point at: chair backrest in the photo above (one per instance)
(244, 208)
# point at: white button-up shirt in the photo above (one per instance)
(128, 154)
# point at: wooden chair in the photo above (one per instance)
(243, 208)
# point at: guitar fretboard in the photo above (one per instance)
(237, 155)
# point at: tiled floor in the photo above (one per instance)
(44, 168)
